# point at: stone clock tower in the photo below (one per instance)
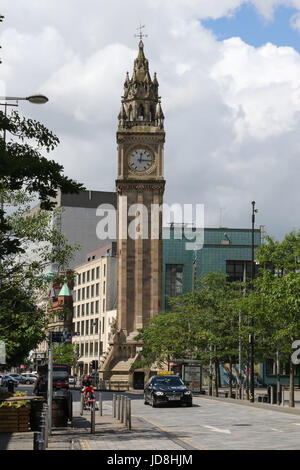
(140, 187)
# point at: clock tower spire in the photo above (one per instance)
(140, 186)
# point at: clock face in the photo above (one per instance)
(140, 160)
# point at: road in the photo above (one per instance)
(212, 424)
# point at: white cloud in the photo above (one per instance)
(232, 110)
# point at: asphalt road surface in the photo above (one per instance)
(212, 424)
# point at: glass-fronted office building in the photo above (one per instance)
(217, 249)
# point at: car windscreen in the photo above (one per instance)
(169, 381)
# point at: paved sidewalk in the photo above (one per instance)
(110, 435)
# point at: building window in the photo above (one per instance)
(83, 293)
(87, 327)
(238, 270)
(78, 327)
(78, 279)
(92, 290)
(93, 274)
(74, 312)
(81, 349)
(97, 289)
(82, 310)
(92, 308)
(92, 327)
(78, 295)
(83, 278)
(88, 276)
(101, 348)
(78, 310)
(82, 328)
(97, 306)
(96, 326)
(104, 270)
(87, 309)
(86, 349)
(174, 280)
(98, 272)
(103, 305)
(104, 287)
(96, 348)
(270, 369)
(91, 349)
(103, 325)
(88, 292)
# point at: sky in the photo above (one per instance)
(229, 80)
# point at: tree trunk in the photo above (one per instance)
(216, 378)
(292, 391)
(277, 376)
(247, 373)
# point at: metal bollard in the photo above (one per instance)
(122, 408)
(93, 410)
(125, 411)
(37, 441)
(46, 425)
(42, 428)
(129, 413)
(114, 405)
(118, 407)
(100, 404)
(81, 403)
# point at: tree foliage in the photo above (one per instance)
(29, 240)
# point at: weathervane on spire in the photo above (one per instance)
(141, 35)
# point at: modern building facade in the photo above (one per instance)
(78, 221)
(224, 249)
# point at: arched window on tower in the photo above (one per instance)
(141, 113)
(152, 114)
(130, 113)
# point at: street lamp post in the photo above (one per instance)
(252, 321)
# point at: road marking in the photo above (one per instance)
(224, 431)
(85, 445)
(172, 433)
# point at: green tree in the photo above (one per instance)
(203, 325)
(23, 286)
(278, 320)
(23, 166)
(65, 353)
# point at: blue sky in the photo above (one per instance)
(254, 29)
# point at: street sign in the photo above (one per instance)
(56, 336)
(61, 337)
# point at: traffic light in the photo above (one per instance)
(94, 365)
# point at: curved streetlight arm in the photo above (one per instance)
(36, 99)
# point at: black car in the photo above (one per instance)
(167, 389)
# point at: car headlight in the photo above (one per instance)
(187, 392)
(159, 393)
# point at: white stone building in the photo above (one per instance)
(94, 307)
